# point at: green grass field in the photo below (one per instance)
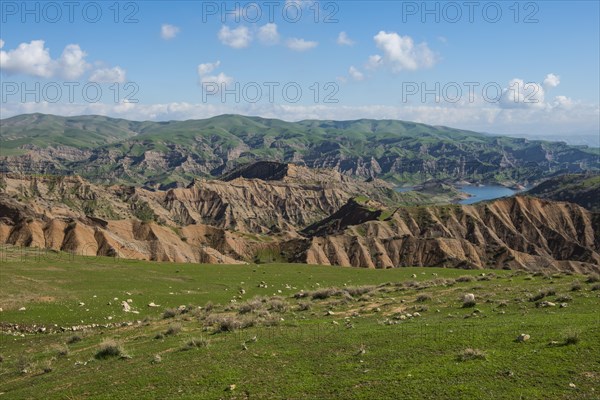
(292, 332)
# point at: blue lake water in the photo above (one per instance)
(480, 193)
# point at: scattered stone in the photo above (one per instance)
(468, 297)
(231, 388)
(130, 301)
(414, 275)
(81, 304)
(329, 312)
(547, 304)
(157, 359)
(416, 314)
(126, 306)
(22, 309)
(153, 305)
(563, 305)
(335, 322)
(572, 385)
(523, 337)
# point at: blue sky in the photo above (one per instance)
(544, 60)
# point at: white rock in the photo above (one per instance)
(126, 306)
(153, 305)
(523, 337)
(22, 309)
(469, 297)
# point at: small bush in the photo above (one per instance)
(563, 298)
(304, 306)
(110, 348)
(572, 338)
(170, 313)
(46, 366)
(576, 286)
(359, 290)
(196, 343)
(173, 330)
(62, 351)
(24, 364)
(323, 294)
(469, 303)
(596, 287)
(277, 305)
(209, 306)
(423, 297)
(593, 278)
(251, 306)
(74, 339)
(159, 336)
(465, 278)
(471, 354)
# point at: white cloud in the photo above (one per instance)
(108, 75)
(300, 44)
(563, 102)
(72, 64)
(268, 35)
(237, 38)
(207, 68)
(356, 74)
(344, 40)
(1, 43)
(402, 53)
(28, 58)
(551, 81)
(219, 79)
(374, 62)
(168, 31)
(521, 94)
(34, 59)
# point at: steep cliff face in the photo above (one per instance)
(520, 232)
(297, 198)
(301, 215)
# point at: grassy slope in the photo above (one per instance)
(306, 355)
(212, 139)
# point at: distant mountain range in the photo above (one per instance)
(108, 150)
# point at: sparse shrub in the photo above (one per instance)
(469, 303)
(156, 359)
(503, 303)
(196, 343)
(110, 348)
(74, 339)
(471, 354)
(543, 293)
(596, 287)
(251, 305)
(173, 330)
(159, 336)
(593, 278)
(24, 364)
(576, 286)
(564, 298)
(359, 290)
(277, 305)
(46, 366)
(572, 338)
(209, 306)
(170, 313)
(62, 350)
(465, 278)
(423, 297)
(225, 323)
(323, 294)
(304, 306)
